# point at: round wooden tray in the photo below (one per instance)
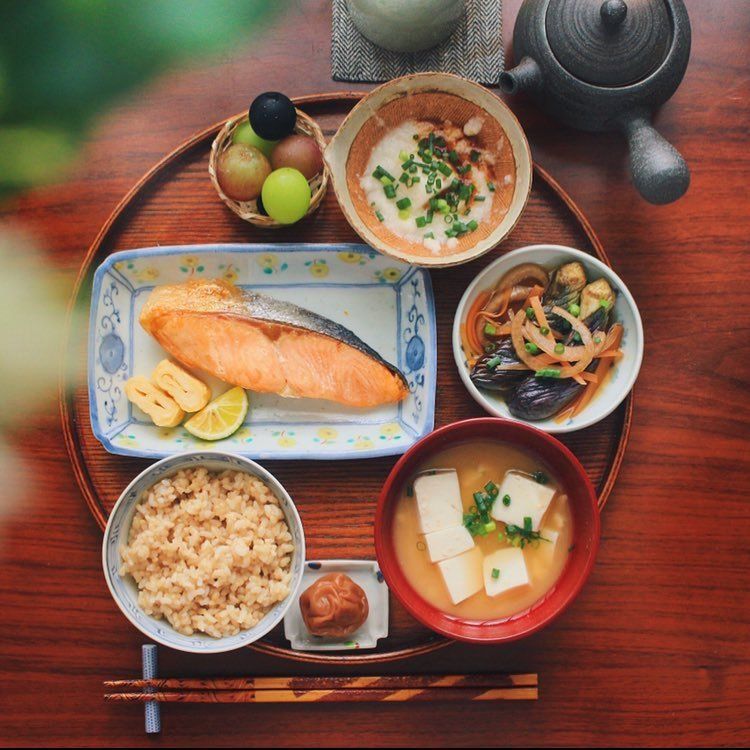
(175, 203)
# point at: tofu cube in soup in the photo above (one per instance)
(528, 499)
(503, 570)
(438, 501)
(462, 575)
(448, 543)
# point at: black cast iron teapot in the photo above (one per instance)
(605, 65)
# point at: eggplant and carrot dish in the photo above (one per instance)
(544, 340)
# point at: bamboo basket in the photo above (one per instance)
(248, 210)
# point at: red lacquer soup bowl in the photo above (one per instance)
(583, 505)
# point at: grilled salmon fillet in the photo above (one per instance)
(266, 345)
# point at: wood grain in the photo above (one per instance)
(655, 649)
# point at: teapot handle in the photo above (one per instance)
(660, 174)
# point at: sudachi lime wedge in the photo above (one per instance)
(223, 416)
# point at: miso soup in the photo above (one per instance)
(482, 530)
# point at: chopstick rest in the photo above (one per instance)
(150, 671)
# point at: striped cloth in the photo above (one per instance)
(474, 50)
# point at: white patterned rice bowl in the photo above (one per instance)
(124, 589)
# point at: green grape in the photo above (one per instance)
(245, 134)
(286, 195)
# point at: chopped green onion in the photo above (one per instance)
(527, 525)
(464, 169)
(404, 214)
(472, 225)
(386, 180)
(574, 310)
(495, 573)
(491, 187)
(559, 348)
(421, 221)
(380, 216)
(531, 347)
(453, 156)
(403, 203)
(480, 198)
(548, 372)
(445, 169)
(605, 303)
(506, 500)
(474, 155)
(489, 527)
(380, 172)
(429, 236)
(491, 488)
(389, 190)
(403, 155)
(494, 362)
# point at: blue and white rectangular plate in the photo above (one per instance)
(388, 304)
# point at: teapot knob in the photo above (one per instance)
(613, 13)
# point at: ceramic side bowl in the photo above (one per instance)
(436, 97)
(624, 372)
(583, 504)
(124, 590)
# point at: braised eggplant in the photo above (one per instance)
(564, 289)
(541, 398)
(538, 398)
(494, 378)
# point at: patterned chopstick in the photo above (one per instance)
(331, 695)
(388, 682)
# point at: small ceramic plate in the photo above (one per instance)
(346, 283)
(624, 373)
(367, 575)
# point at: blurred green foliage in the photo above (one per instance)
(64, 61)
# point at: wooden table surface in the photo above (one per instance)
(654, 651)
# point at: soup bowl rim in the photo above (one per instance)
(529, 620)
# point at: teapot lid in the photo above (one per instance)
(611, 42)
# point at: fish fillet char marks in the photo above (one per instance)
(266, 345)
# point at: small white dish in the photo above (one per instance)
(124, 589)
(366, 574)
(624, 372)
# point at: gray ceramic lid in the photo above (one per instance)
(609, 42)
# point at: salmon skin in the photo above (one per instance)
(266, 345)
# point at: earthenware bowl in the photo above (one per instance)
(437, 97)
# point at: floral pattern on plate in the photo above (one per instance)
(344, 282)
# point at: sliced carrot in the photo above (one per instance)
(585, 399)
(612, 354)
(471, 320)
(590, 377)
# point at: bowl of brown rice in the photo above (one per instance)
(204, 552)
